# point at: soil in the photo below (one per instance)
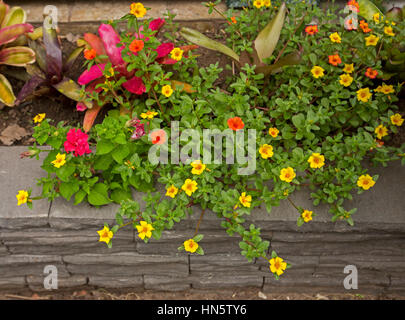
(192, 294)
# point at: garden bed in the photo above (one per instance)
(64, 235)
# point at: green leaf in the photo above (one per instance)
(104, 147)
(200, 250)
(65, 172)
(368, 9)
(120, 153)
(103, 163)
(79, 196)
(99, 195)
(198, 237)
(119, 195)
(289, 60)
(68, 189)
(203, 41)
(267, 39)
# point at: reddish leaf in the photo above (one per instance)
(110, 40)
(95, 42)
(9, 34)
(90, 117)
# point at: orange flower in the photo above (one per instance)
(354, 5)
(364, 26)
(158, 136)
(233, 19)
(335, 60)
(235, 123)
(312, 29)
(89, 54)
(136, 45)
(371, 73)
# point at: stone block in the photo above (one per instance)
(36, 283)
(20, 174)
(116, 282)
(219, 280)
(166, 283)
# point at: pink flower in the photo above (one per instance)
(135, 85)
(139, 129)
(164, 49)
(76, 142)
(156, 24)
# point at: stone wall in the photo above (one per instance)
(64, 235)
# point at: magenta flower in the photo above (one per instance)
(76, 142)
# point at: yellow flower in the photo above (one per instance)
(316, 160)
(349, 68)
(381, 131)
(307, 215)
(144, 230)
(148, 114)
(189, 186)
(388, 31)
(287, 174)
(59, 161)
(273, 132)
(39, 117)
(317, 72)
(137, 9)
(258, 3)
(105, 235)
(397, 120)
(364, 94)
(176, 54)
(266, 151)
(376, 17)
(365, 182)
(245, 200)
(167, 91)
(190, 245)
(110, 73)
(277, 265)
(386, 89)
(267, 3)
(334, 37)
(345, 80)
(172, 191)
(372, 40)
(198, 167)
(22, 197)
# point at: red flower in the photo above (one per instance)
(76, 142)
(135, 85)
(335, 60)
(371, 73)
(89, 54)
(312, 29)
(156, 24)
(164, 49)
(235, 123)
(136, 46)
(158, 136)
